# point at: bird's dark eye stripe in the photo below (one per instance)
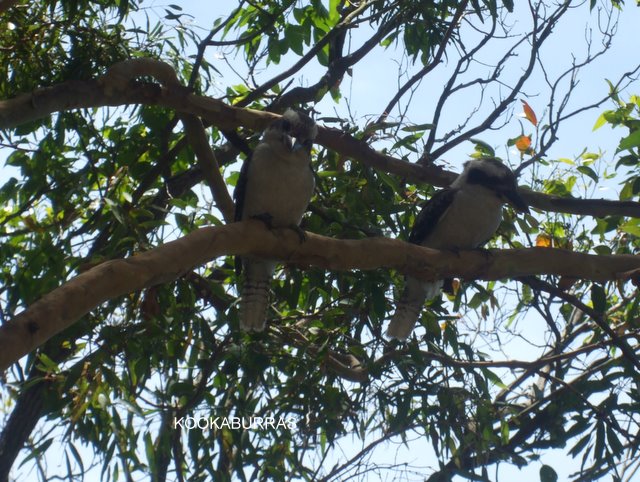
(478, 176)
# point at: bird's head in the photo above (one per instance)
(294, 131)
(493, 175)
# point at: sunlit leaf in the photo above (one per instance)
(629, 142)
(632, 227)
(600, 121)
(482, 149)
(523, 143)
(529, 114)
(543, 241)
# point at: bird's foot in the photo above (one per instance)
(266, 218)
(299, 231)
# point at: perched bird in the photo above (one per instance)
(275, 185)
(463, 216)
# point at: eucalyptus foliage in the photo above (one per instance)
(119, 392)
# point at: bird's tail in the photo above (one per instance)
(410, 305)
(254, 296)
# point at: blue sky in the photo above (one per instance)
(374, 82)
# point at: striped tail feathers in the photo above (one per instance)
(254, 294)
(410, 305)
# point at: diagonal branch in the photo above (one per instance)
(65, 305)
(306, 58)
(430, 66)
(595, 315)
(209, 164)
(116, 88)
(541, 30)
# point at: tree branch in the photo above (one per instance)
(306, 58)
(7, 4)
(65, 305)
(209, 164)
(429, 66)
(598, 317)
(116, 88)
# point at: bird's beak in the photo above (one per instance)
(297, 145)
(516, 201)
(290, 142)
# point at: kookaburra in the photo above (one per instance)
(463, 216)
(276, 184)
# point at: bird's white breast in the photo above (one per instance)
(472, 218)
(279, 186)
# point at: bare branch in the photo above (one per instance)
(541, 30)
(430, 66)
(596, 316)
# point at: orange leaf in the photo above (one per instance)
(528, 113)
(523, 143)
(543, 241)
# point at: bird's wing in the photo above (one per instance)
(240, 191)
(430, 214)
(239, 194)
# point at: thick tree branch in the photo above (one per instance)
(68, 303)
(7, 4)
(116, 88)
(209, 164)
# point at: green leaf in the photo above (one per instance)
(418, 127)
(294, 36)
(629, 142)
(613, 92)
(599, 298)
(589, 172)
(590, 156)
(600, 121)
(47, 364)
(334, 15)
(566, 161)
(482, 149)
(547, 474)
(628, 160)
(149, 450)
(504, 432)
(632, 227)
(495, 379)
